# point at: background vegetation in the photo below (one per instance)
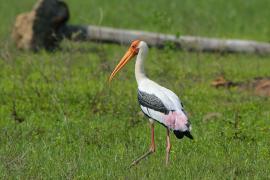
(59, 118)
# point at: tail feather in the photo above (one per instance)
(180, 134)
(188, 134)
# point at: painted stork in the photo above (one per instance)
(157, 103)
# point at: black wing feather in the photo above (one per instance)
(152, 102)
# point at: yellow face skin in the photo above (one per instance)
(131, 52)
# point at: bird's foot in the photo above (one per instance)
(135, 162)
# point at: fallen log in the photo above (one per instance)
(194, 43)
(46, 25)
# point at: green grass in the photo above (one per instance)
(77, 126)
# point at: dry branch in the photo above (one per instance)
(122, 36)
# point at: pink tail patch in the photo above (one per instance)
(176, 120)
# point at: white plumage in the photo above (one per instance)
(167, 97)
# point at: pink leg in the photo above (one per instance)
(168, 148)
(151, 150)
(153, 146)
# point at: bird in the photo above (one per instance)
(158, 103)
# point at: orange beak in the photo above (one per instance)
(125, 59)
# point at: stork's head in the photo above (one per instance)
(131, 52)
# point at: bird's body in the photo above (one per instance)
(158, 103)
(162, 105)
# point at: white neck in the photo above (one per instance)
(139, 66)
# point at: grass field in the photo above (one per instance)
(59, 118)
